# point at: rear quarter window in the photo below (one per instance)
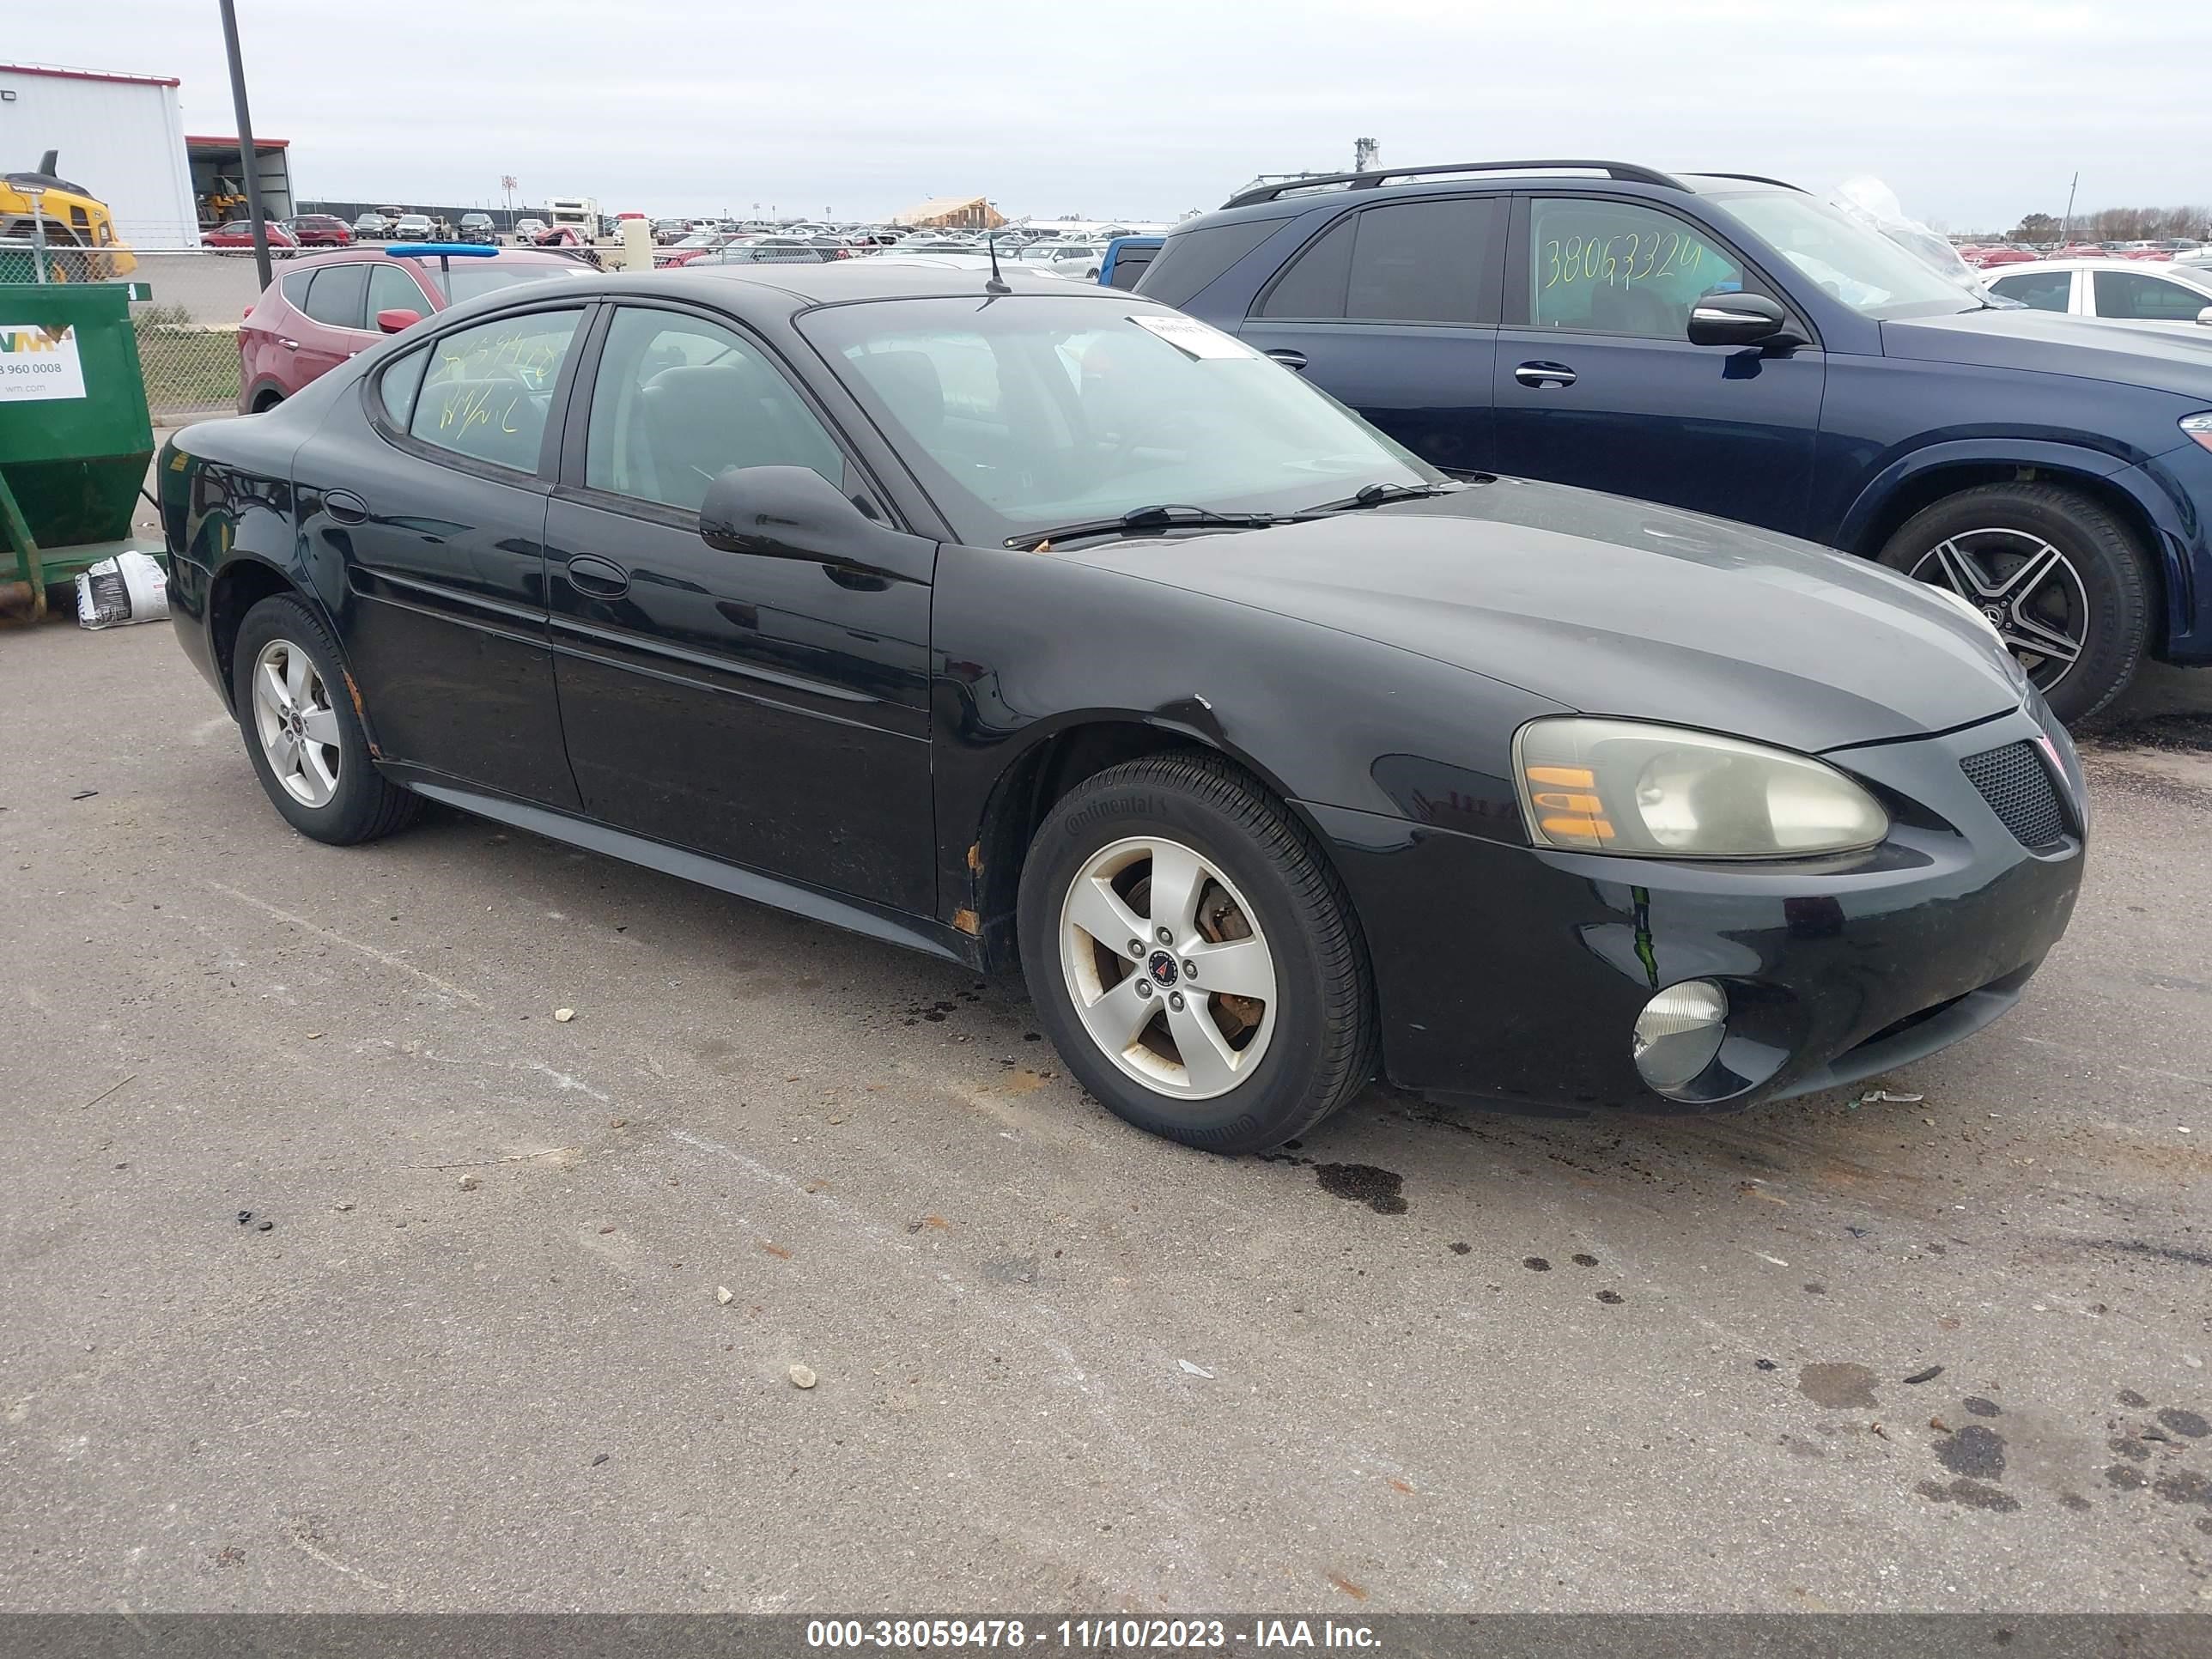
(1190, 259)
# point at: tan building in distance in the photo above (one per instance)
(952, 213)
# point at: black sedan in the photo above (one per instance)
(1027, 624)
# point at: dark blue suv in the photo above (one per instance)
(1734, 345)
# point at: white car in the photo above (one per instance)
(412, 228)
(1077, 260)
(2171, 295)
(529, 228)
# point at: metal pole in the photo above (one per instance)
(2066, 229)
(250, 160)
(38, 234)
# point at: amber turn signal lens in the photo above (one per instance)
(1576, 829)
(1553, 800)
(1573, 777)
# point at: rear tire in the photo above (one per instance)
(296, 711)
(1288, 1033)
(2050, 567)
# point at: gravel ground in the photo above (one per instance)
(470, 1350)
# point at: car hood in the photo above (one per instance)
(1610, 606)
(2051, 343)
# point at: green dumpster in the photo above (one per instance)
(75, 437)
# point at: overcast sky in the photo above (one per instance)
(1973, 112)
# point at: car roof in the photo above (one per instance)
(1348, 190)
(2148, 267)
(840, 281)
(505, 256)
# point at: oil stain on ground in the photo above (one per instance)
(1380, 1190)
(1838, 1385)
(1974, 1452)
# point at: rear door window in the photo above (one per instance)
(1610, 267)
(336, 296)
(1404, 261)
(489, 388)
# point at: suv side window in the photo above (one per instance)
(2129, 294)
(335, 298)
(490, 387)
(1606, 267)
(1190, 259)
(1404, 261)
(678, 401)
(295, 284)
(390, 288)
(2040, 290)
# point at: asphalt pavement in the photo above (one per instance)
(341, 1274)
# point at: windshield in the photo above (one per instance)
(1850, 261)
(1031, 411)
(470, 280)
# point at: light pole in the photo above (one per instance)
(250, 160)
(506, 189)
(2066, 228)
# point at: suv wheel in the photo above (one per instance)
(1193, 959)
(2064, 582)
(301, 733)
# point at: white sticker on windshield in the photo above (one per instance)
(1188, 334)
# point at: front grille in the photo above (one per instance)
(2020, 790)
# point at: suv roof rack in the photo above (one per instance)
(1747, 177)
(1371, 181)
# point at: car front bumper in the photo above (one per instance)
(1515, 974)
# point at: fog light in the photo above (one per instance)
(1679, 1032)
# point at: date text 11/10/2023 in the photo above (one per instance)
(1087, 1635)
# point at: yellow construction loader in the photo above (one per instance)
(78, 231)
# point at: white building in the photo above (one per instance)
(121, 137)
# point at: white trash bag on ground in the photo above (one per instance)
(131, 587)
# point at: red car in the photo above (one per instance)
(2006, 255)
(2147, 253)
(319, 230)
(2081, 250)
(329, 306)
(238, 234)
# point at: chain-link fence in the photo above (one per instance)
(187, 330)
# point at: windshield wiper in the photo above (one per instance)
(1163, 517)
(1378, 494)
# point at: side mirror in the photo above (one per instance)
(788, 512)
(2205, 316)
(1741, 320)
(392, 321)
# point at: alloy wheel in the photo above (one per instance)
(297, 727)
(2030, 591)
(1167, 968)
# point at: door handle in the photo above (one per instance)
(1544, 374)
(601, 577)
(289, 345)
(1288, 358)
(345, 507)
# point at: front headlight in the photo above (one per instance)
(1600, 785)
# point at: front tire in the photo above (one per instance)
(1193, 956)
(2064, 581)
(296, 711)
